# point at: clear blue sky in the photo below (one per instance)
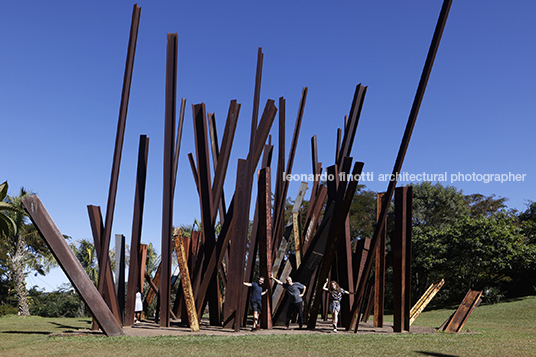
(62, 66)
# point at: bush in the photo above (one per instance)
(7, 310)
(63, 302)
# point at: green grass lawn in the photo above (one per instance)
(505, 329)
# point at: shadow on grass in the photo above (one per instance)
(28, 332)
(65, 326)
(436, 354)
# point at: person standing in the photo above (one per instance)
(256, 301)
(295, 292)
(335, 297)
(138, 307)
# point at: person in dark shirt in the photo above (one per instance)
(256, 301)
(295, 293)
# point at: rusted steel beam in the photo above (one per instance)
(409, 230)
(71, 266)
(278, 195)
(338, 144)
(206, 203)
(223, 158)
(109, 293)
(370, 301)
(156, 280)
(405, 141)
(185, 281)
(455, 323)
(256, 96)
(168, 185)
(343, 200)
(253, 241)
(235, 267)
(345, 272)
(112, 193)
(314, 154)
(351, 127)
(194, 171)
(178, 144)
(401, 248)
(215, 149)
(279, 214)
(425, 299)
(137, 220)
(316, 211)
(296, 228)
(143, 265)
(379, 271)
(265, 241)
(120, 273)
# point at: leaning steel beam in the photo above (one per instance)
(225, 152)
(425, 299)
(185, 282)
(403, 148)
(71, 266)
(256, 96)
(112, 193)
(139, 200)
(178, 143)
(351, 127)
(279, 212)
(169, 152)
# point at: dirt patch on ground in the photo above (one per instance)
(147, 328)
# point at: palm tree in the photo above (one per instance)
(87, 256)
(26, 250)
(6, 223)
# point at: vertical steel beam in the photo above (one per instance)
(169, 151)
(265, 242)
(206, 203)
(137, 220)
(379, 271)
(398, 245)
(71, 266)
(120, 273)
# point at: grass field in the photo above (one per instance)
(505, 329)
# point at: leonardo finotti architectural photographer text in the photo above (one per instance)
(407, 177)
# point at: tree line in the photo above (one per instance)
(471, 241)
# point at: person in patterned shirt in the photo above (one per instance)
(335, 297)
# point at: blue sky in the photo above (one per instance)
(62, 66)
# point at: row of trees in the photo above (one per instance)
(472, 241)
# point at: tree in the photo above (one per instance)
(362, 213)
(87, 256)
(6, 222)
(437, 206)
(25, 250)
(486, 206)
